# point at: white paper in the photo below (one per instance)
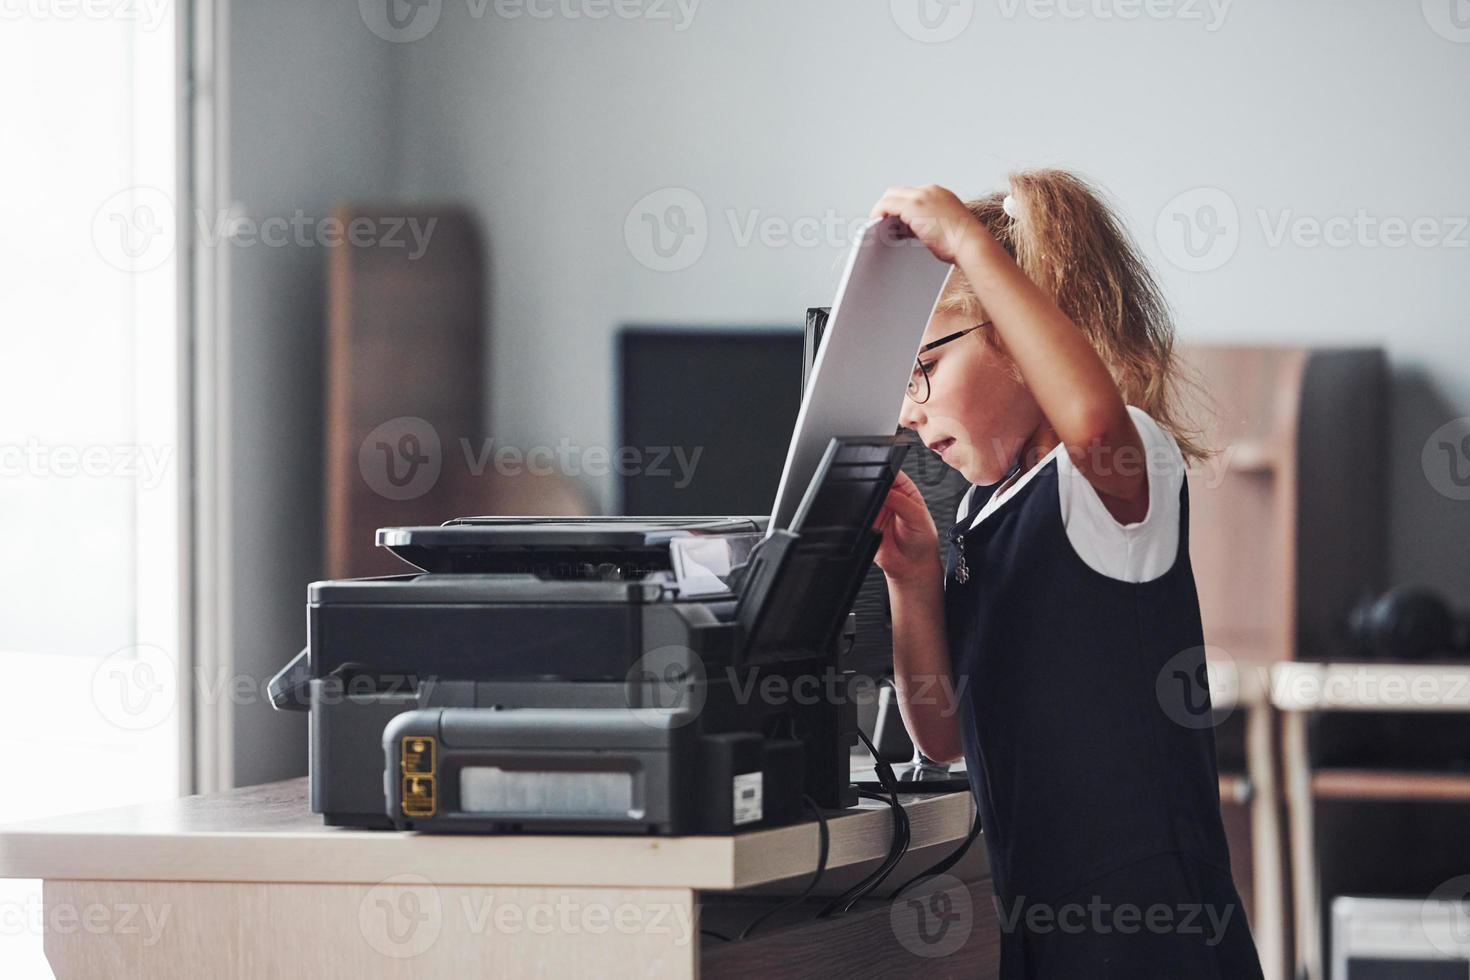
(888, 292)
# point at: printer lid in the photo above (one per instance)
(506, 544)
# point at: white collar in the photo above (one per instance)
(996, 499)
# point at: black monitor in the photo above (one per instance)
(710, 414)
(734, 394)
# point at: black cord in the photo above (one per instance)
(901, 836)
(711, 932)
(824, 842)
(940, 867)
(884, 771)
(845, 901)
(903, 831)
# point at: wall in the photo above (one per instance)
(309, 97)
(769, 111)
(776, 117)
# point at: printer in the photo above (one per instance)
(648, 675)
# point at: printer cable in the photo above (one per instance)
(901, 836)
(824, 842)
(940, 867)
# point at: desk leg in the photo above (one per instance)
(1270, 897)
(401, 928)
(1304, 890)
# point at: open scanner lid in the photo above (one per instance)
(802, 581)
(567, 546)
(793, 594)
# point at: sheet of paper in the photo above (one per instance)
(888, 291)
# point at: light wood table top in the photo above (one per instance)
(268, 833)
(1375, 686)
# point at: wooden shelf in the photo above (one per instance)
(1235, 788)
(1253, 457)
(1390, 785)
(1234, 683)
(1298, 686)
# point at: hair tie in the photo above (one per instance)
(1009, 206)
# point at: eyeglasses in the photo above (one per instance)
(918, 386)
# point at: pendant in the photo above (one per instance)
(961, 570)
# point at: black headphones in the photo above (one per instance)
(1409, 623)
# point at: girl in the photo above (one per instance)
(1066, 609)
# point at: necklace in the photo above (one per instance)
(961, 569)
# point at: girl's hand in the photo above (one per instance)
(935, 215)
(910, 546)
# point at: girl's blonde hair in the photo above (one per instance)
(1069, 242)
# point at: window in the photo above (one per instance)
(91, 452)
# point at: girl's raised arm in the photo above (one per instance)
(1071, 384)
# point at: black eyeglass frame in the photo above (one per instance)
(919, 363)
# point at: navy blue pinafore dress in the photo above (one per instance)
(1092, 764)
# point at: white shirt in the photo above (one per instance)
(1134, 552)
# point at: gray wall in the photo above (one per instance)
(553, 128)
(309, 96)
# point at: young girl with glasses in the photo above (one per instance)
(1063, 611)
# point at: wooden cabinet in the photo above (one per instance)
(1289, 521)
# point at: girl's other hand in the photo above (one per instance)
(935, 215)
(910, 546)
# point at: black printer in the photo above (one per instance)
(606, 675)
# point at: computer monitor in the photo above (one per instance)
(718, 405)
(734, 396)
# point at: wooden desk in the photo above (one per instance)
(1246, 686)
(1300, 689)
(250, 884)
